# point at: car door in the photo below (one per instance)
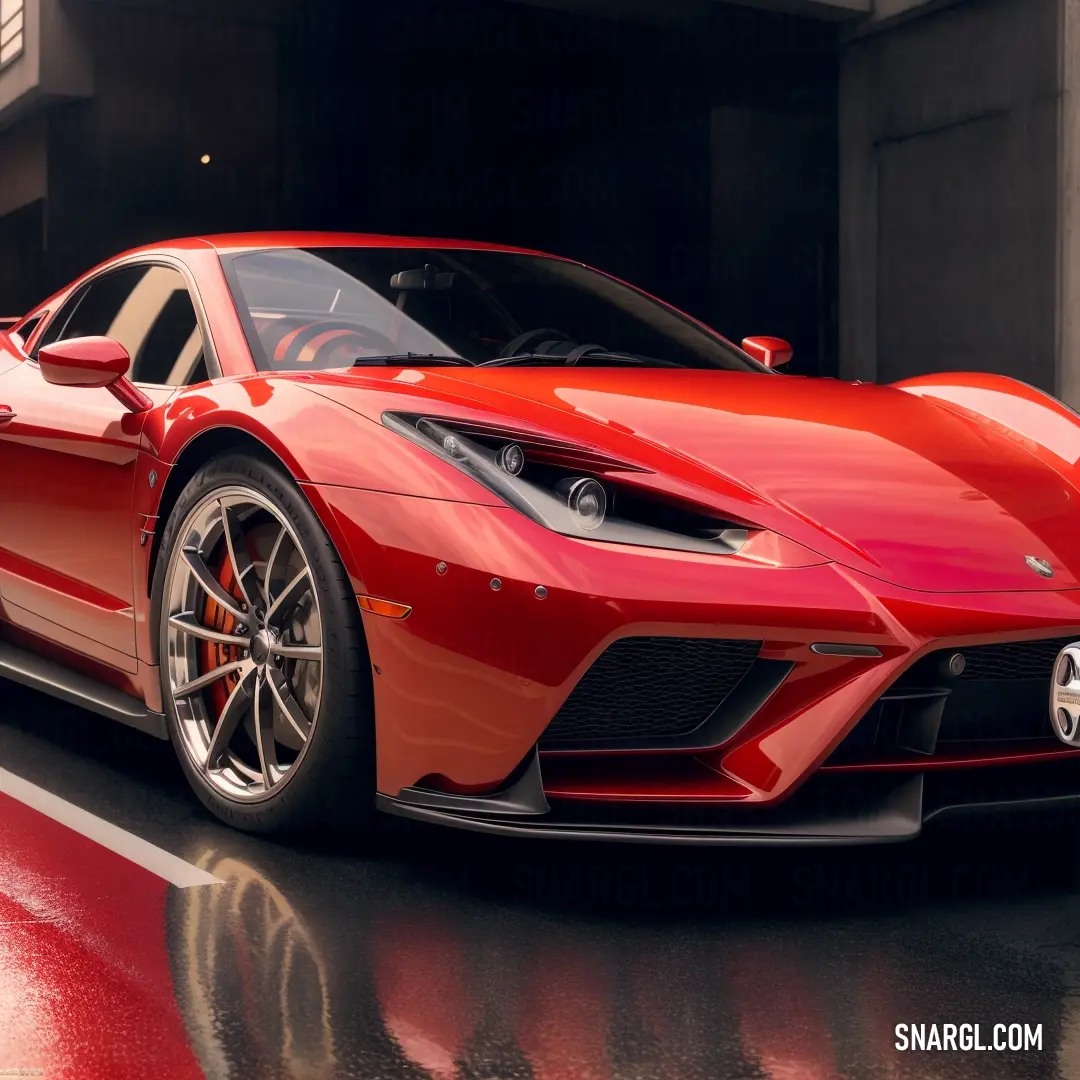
(68, 458)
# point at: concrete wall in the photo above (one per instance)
(1068, 381)
(21, 79)
(54, 65)
(22, 251)
(23, 164)
(949, 137)
(23, 186)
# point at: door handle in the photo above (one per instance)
(6, 415)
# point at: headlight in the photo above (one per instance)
(568, 489)
(511, 458)
(586, 500)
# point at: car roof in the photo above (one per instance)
(233, 242)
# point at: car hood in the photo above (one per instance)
(870, 476)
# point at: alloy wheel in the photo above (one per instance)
(244, 639)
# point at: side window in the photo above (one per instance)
(25, 332)
(58, 321)
(148, 310)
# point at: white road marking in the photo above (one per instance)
(141, 852)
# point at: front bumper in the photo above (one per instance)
(826, 812)
(466, 686)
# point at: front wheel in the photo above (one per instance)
(264, 670)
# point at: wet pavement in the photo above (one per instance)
(457, 957)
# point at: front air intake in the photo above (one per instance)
(650, 688)
(1013, 660)
(999, 698)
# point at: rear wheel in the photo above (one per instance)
(265, 676)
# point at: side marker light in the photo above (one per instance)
(383, 607)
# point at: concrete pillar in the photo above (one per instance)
(950, 167)
(1068, 356)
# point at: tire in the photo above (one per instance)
(298, 779)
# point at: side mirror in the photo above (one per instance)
(770, 351)
(95, 363)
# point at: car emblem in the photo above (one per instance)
(1065, 695)
(1040, 566)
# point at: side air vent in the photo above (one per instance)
(650, 688)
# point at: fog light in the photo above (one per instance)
(957, 663)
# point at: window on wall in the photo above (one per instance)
(11, 30)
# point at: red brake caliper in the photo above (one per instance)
(211, 654)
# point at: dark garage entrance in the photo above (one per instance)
(696, 158)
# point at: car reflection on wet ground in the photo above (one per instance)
(454, 957)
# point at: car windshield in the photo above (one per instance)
(334, 307)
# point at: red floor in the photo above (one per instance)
(85, 987)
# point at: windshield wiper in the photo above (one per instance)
(580, 360)
(413, 359)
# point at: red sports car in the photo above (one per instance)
(486, 537)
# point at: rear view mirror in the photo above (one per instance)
(770, 351)
(417, 280)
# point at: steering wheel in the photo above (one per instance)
(314, 342)
(512, 348)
